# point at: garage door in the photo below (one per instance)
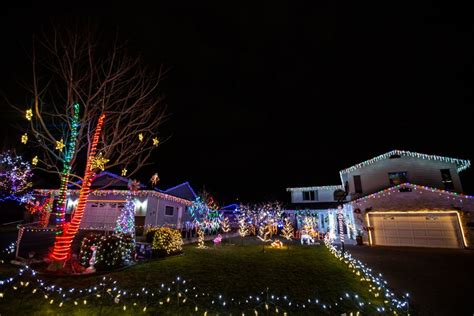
(101, 215)
(439, 230)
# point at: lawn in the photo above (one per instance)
(232, 270)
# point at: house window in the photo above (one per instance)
(447, 180)
(310, 195)
(169, 210)
(357, 184)
(397, 178)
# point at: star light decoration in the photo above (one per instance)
(140, 137)
(155, 141)
(99, 162)
(124, 172)
(34, 161)
(29, 114)
(24, 138)
(154, 179)
(60, 145)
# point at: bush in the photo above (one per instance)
(167, 241)
(112, 250)
(86, 244)
(150, 234)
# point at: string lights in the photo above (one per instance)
(15, 178)
(24, 138)
(62, 244)
(29, 114)
(396, 189)
(64, 175)
(460, 163)
(180, 294)
(287, 231)
(318, 188)
(168, 240)
(98, 162)
(60, 145)
(140, 193)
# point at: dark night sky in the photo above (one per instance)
(272, 96)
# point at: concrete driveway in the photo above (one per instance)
(440, 281)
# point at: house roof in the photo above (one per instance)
(230, 207)
(401, 187)
(461, 164)
(123, 193)
(312, 206)
(318, 188)
(109, 180)
(183, 190)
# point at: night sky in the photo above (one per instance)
(267, 97)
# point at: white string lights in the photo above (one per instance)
(180, 295)
(461, 164)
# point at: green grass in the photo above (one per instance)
(235, 271)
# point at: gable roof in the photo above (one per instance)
(407, 185)
(109, 180)
(183, 190)
(461, 164)
(322, 188)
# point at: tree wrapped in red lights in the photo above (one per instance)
(91, 109)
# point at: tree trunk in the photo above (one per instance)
(63, 243)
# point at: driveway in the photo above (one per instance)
(440, 281)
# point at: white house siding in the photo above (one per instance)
(374, 177)
(156, 213)
(323, 196)
(418, 200)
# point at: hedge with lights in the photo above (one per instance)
(112, 250)
(167, 241)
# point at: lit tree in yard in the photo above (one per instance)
(225, 226)
(91, 110)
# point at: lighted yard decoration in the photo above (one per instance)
(42, 209)
(225, 226)
(200, 244)
(217, 241)
(167, 241)
(277, 244)
(288, 230)
(204, 216)
(90, 113)
(243, 227)
(15, 178)
(308, 239)
(126, 220)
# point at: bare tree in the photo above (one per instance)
(75, 83)
(70, 68)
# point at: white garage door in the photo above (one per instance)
(439, 230)
(101, 215)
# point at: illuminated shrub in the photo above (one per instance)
(112, 250)
(167, 241)
(86, 244)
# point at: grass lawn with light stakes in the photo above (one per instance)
(234, 270)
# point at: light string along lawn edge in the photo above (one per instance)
(108, 288)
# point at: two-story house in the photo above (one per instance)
(403, 198)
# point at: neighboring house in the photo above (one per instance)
(320, 202)
(108, 196)
(404, 198)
